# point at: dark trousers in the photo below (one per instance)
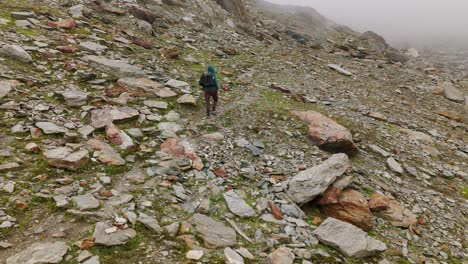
(208, 95)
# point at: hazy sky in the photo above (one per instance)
(420, 22)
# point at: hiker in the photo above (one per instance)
(209, 82)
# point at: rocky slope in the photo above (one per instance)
(329, 146)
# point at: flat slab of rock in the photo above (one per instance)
(116, 68)
(65, 157)
(103, 117)
(281, 255)
(118, 137)
(146, 86)
(310, 183)
(92, 47)
(5, 88)
(187, 99)
(16, 52)
(214, 233)
(119, 237)
(394, 165)
(453, 94)
(232, 257)
(155, 104)
(326, 133)
(105, 153)
(149, 222)
(86, 201)
(339, 69)
(179, 85)
(74, 97)
(348, 239)
(237, 205)
(50, 128)
(179, 148)
(42, 252)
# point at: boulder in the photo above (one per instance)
(16, 52)
(237, 205)
(214, 233)
(326, 133)
(282, 255)
(308, 184)
(119, 237)
(5, 88)
(105, 153)
(179, 85)
(116, 68)
(348, 205)
(179, 148)
(187, 99)
(118, 137)
(85, 201)
(40, 252)
(348, 239)
(65, 157)
(73, 96)
(453, 94)
(101, 118)
(147, 86)
(392, 210)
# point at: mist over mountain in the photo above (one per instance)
(418, 23)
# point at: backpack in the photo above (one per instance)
(207, 80)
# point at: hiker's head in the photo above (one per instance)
(211, 69)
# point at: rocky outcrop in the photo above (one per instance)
(326, 133)
(215, 234)
(234, 7)
(41, 252)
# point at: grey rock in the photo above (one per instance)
(50, 128)
(232, 257)
(215, 234)
(349, 239)
(394, 165)
(5, 88)
(42, 252)
(179, 85)
(245, 253)
(237, 205)
(92, 47)
(22, 15)
(379, 150)
(107, 115)
(308, 184)
(292, 210)
(187, 99)
(74, 97)
(149, 222)
(86, 201)
(147, 86)
(119, 237)
(116, 68)
(281, 255)
(16, 52)
(65, 157)
(85, 131)
(453, 94)
(339, 69)
(92, 260)
(155, 104)
(84, 255)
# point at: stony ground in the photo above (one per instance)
(106, 156)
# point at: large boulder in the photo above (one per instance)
(146, 86)
(347, 205)
(101, 118)
(452, 93)
(326, 133)
(237, 205)
(119, 237)
(65, 157)
(310, 183)
(5, 88)
(16, 52)
(215, 234)
(40, 252)
(373, 42)
(390, 209)
(348, 239)
(116, 68)
(179, 148)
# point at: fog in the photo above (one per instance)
(418, 23)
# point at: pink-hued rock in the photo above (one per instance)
(390, 209)
(326, 133)
(101, 118)
(180, 148)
